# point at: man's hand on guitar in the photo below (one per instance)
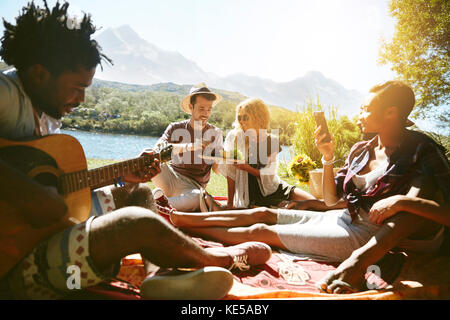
(147, 173)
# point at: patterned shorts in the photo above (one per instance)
(62, 264)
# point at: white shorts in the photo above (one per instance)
(183, 193)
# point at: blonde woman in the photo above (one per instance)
(254, 181)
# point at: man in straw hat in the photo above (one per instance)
(184, 179)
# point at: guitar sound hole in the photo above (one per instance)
(26, 159)
(47, 179)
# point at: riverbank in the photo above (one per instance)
(106, 146)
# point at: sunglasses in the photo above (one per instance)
(244, 117)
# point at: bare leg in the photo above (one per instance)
(298, 195)
(139, 195)
(257, 232)
(136, 230)
(231, 218)
(400, 226)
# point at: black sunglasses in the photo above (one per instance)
(244, 117)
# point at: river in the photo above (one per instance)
(123, 146)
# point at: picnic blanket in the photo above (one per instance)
(420, 276)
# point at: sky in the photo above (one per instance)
(279, 40)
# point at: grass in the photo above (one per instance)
(95, 163)
(217, 185)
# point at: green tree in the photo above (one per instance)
(283, 120)
(153, 123)
(420, 49)
(223, 115)
(119, 109)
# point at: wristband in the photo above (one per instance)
(328, 163)
(118, 182)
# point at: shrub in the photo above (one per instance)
(345, 132)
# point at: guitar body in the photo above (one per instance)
(43, 160)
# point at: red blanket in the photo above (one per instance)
(282, 274)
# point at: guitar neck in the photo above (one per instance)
(103, 176)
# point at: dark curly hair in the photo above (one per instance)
(49, 37)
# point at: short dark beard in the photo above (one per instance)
(41, 106)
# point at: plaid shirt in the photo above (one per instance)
(417, 155)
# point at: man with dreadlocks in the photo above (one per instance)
(55, 60)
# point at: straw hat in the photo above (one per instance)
(197, 89)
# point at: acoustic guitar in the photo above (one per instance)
(55, 160)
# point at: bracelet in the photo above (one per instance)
(328, 163)
(118, 182)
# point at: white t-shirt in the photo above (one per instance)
(16, 111)
(365, 181)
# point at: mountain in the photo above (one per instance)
(296, 92)
(140, 62)
(180, 90)
(136, 61)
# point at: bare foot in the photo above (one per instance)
(207, 202)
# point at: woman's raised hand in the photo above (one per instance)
(325, 148)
